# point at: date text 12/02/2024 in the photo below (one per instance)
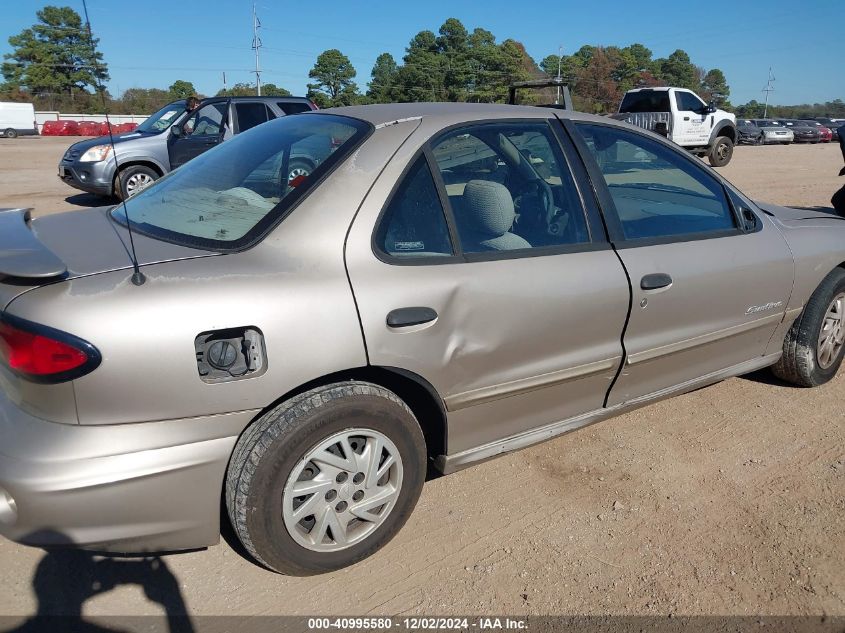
(418, 623)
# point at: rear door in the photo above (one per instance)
(248, 114)
(201, 131)
(709, 287)
(478, 265)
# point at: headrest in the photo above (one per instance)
(489, 207)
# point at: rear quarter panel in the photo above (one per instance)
(292, 286)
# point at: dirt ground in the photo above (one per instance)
(728, 500)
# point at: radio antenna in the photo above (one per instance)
(138, 277)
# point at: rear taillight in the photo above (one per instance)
(43, 354)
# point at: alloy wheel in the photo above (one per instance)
(832, 333)
(136, 182)
(342, 490)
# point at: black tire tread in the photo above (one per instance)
(797, 365)
(258, 437)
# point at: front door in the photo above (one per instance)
(485, 277)
(691, 119)
(709, 287)
(201, 131)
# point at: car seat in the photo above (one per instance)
(487, 218)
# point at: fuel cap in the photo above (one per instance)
(222, 354)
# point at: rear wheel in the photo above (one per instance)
(11, 133)
(133, 179)
(721, 152)
(326, 478)
(814, 346)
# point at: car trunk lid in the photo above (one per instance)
(34, 252)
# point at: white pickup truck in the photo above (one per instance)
(683, 117)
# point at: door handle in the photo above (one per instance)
(405, 317)
(655, 281)
(686, 118)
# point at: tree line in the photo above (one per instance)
(56, 65)
(458, 65)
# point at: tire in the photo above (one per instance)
(721, 152)
(299, 167)
(10, 133)
(285, 447)
(759, 140)
(133, 179)
(803, 363)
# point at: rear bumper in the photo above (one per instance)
(153, 486)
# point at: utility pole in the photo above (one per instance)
(559, 59)
(256, 45)
(769, 88)
(224, 81)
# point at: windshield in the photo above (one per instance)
(230, 196)
(162, 119)
(768, 124)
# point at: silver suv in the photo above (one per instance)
(167, 139)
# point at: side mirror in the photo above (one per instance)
(661, 128)
(176, 131)
(711, 108)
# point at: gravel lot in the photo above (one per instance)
(728, 500)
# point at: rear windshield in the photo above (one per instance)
(162, 119)
(646, 101)
(230, 196)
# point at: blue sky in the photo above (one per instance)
(152, 43)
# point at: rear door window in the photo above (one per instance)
(250, 114)
(509, 188)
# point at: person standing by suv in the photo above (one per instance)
(191, 104)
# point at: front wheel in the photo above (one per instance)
(11, 133)
(326, 478)
(133, 179)
(814, 346)
(721, 152)
(299, 168)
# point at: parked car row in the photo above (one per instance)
(84, 128)
(786, 131)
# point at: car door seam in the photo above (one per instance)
(349, 230)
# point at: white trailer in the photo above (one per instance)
(17, 119)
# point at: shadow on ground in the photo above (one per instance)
(90, 200)
(66, 578)
(766, 377)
